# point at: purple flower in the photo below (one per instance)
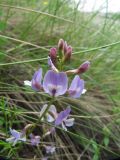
(35, 83)
(50, 149)
(63, 120)
(76, 87)
(35, 140)
(54, 83)
(16, 136)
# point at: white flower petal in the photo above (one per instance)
(63, 126)
(27, 83)
(69, 122)
(53, 109)
(50, 118)
(84, 91)
(11, 139)
(15, 141)
(23, 139)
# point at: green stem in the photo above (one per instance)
(40, 118)
(44, 113)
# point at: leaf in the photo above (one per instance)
(95, 157)
(106, 141)
(94, 145)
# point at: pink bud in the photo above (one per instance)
(83, 67)
(61, 44)
(53, 54)
(68, 53)
(65, 47)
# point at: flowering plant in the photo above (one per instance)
(55, 83)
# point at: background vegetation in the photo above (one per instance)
(28, 28)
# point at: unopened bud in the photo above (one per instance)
(53, 54)
(83, 67)
(65, 47)
(61, 44)
(68, 53)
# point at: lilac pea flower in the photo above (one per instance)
(49, 149)
(35, 140)
(54, 83)
(16, 136)
(76, 87)
(52, 113)
(52, 66)
(63, 119)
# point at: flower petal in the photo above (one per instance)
(27, 83)
(69, 122)
(84, 91)
(50, 118)
(76, 87)
(36, 80)
(54, 83)
(23, 139)
(15, 133)
(52, 66)
(50, 149)
(35, 140)
(62, 116)
(63, 126)
(15, 142)
(53, 111)
(11, 139)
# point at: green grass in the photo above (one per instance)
(28, 29)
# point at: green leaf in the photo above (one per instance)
(95, 157)
(106, 141)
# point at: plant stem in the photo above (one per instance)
(44, 113)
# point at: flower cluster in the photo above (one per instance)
(55, 83)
